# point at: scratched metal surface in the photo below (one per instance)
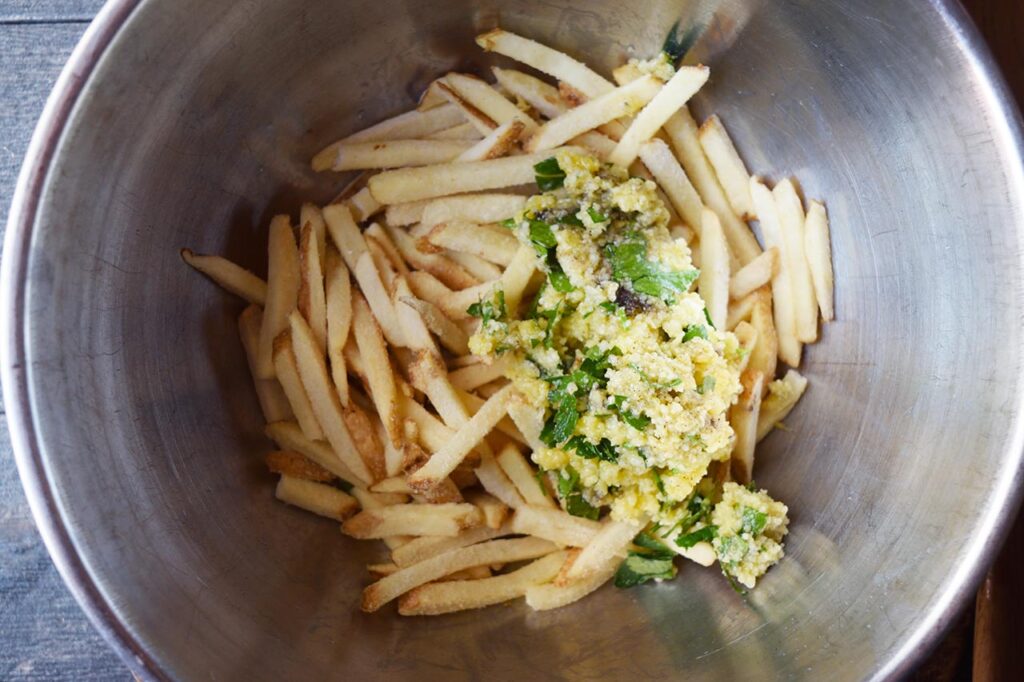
(45, 636)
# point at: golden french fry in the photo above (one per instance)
(344, 233)
(283, 281)
(312, 297)
(379, 374)
(818, 247)
(450, 596)
(729, 168)
(670, 176)
(476, 266)
(743, 416)
(413, 519)
(545, 59)
(596, 143)
(490, 242)
(273, 402)
(448, 333)
(405, 214)
(445, 269)
(463, 131)
(288, 435)
(669, 99)
(382, 263)
(227, 275)
(318, 498)
(483, 554)
(375, 501)
(470, 208)
(713, 282)
(339, 320)
(764, 356)
(494, 510)
(483, 123)
(311, 215)
(473, 403)
(363, 428)
(554, 525)
(747, 336)
(482, 96)
(791, 220)
(612, 540)
(557, 594)
(396, 153)
(754, 274)
(430, 98)
(540, 95)
(474, 376)
(427, 547)
(740, 310)
(433, 433)
(378, 297)
(297, 465)
(781, 399)
(497, 483)
(782, 288)
(287, 371)
(524, 477)
(498, 143)
(529, 421)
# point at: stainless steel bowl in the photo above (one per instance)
(191, 122)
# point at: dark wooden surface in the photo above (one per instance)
(43, 633)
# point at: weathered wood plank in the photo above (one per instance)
(48, 10)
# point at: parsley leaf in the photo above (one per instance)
(562, 422)
(753, 520)
(639, 568)
(549, 174)
(637, 421)
(509, 223)
(707, 316)
(655, 547)
(629, 262)
(656, 384)
(695, 331)
(596, 215)
(556, 275)
(490, 310)
(542, 237)
(603, 450)
(705, 534)
(569, 491)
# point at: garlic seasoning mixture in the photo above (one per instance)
(634, 381)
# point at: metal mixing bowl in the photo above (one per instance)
(190, 122)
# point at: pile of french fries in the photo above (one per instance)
(358, 338)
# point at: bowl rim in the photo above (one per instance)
(28, 453)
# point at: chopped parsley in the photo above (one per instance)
(596, 215)
(559, 280)
(603, 450)
(542, 237)
(637, 421)
(705, 534)
(549, 174)
(570, 491)
(509, 223)
(490, 310)
(628, 259)
(753, 521)
(695, 331)
(655, 384)
(652, 561)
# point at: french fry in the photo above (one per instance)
(326, 405)
(488, 100)
(396, 153)
(681, 130)
(344, 233)
(490, 242)
(670, 176)
(764, 356)
(497, 483)
(483, 554)
(273, 402)
(362, 427)
(288, 436)
(431, 97)
(428, 547)
(612, 540)
(781, 399)
(463, 131)
(318, 498)
(668, 100)
(427, 182)
(363, 205)
(339, 320)
(405, 214)
(713, 282)
(287, 371)
(445, 269)
(382, 263)
(524, 478)
(378, 298)
(743, 417)
(791, 220)
(310, 214)
(376, 232)
(747, 336)
(450, 596)
(312, 297)
(754, 274)
(378, 571)
(283, 281)
(474, 376)
(740, 310)
(413, 519)
(297, 465)
(379, 374)
(529, 421)
(729, 168)
(476, 266)
(473, 403)
(227, 275)
(410, 125)
(470, 208)
(490, 388)
(596, 143)
(478, 119)
(818, 247)
(621, 101)
(517, 276)
(554, 525)
(546, 60)
(428, 288)
(494, 510)
(499, 142)
(448, 333)
(374, 501)
(782, 288)
(433, 433)
(557, 594)
(447, 458)
(540, 95)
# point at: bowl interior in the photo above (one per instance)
(197, 126)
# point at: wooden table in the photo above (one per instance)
(43, 633)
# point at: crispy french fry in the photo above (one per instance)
(405, 214)
(297, 465)
(791, 220)
(596, 143)
(428, 288)
(476, 266)
(494, 510)
(764, 356)
(273, 402)
(450, 596)
(818, 247)
(287, 371)
(431, 97)
(378, 298)
(499, 142)
(427, 182)
(483, 554)
(497, 483)
(754, 274)
(378, 571)
(379, 374)
(740, 310)
(339, 320)
(363, 205)
(713, 282)
(540, 95)
(396, 153)
(470, 208)
(447, 458)
(479, 120)
(782, 288)
(318, 498)
(490, 242)
(488, 100)
(529, 421)
(473, 403)
(621, 101)
(743, 417)
(670, 176)
(448, 333)
(668, 100)
(517, 276)
(413, 519)
(433, 433)
(344, 233)
(463, 131)
(311, 215)
(289, 436)
(554, 525)
(612, 540)
(523, 476)
(283, 281)
(312, 297)
(545, 59)
(363, 428)
(747, 336)
(428, 547)
(474, 376)
(557, 594)
(327, 406)
(227, 275)
(394, 257)
(375, 501)
(729, 168)
(781, 399)
(382, 263)
(445, 269)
